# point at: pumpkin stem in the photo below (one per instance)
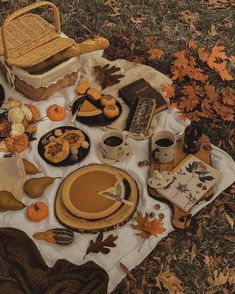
(36, 207)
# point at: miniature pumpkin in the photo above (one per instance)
(56, 236)
(37, 211)
(35, 112)
(107, 100)
(111, 111)
(83, 87)
(74, 137)
(17, 144)
(56, 112)
(95, 95)
(56, 150)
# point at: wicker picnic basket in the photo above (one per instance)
(27, 41)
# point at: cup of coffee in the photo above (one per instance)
(112, 144)
(163, 146)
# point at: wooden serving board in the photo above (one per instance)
(180, 218)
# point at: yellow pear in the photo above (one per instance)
(9, 202)
(30, 168)
(35, 187)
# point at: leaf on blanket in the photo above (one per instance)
(146, 227)
(169, 281)
(101, 245)
(105, 75)
(169, 89)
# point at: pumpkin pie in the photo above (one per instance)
(81, 192)
(88, 109)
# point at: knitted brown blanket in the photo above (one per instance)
(23, 270)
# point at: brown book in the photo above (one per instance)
(141, 89)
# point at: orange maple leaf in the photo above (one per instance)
(195, 115)
(228, 96)
(146, 227)
(181, 59)
(178, 73)
(192, 44)
(182, 116)
(155, 54)
(203, 54)
(169, 89)
(154, 227)
(226, 113)
(223, 72)
(211, 92)
(218, 52)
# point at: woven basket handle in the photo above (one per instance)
(18, 13)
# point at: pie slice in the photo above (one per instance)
(88, 109)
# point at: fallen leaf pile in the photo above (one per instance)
(105, 75)
(101, 245)
(146, 227)
(196, 96)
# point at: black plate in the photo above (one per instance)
(81, 154)
(97, 120)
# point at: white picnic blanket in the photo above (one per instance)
(128, 243)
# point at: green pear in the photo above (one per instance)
(35, 187)
(30, 168)
(9, 202)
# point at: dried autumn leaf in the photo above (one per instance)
(154, 227)
(203, 54)
(226, 113)
(169, 89)
(228, 96)
(127, 272)
(193, 252)
(101, 245)
(155, 54)
(229, 220)
(105, 75)
(223, 72)
(146, 227)
(169, 281)
(230, 238)
(211, 92)
(212, 32)
(192, 44)
(219, 278)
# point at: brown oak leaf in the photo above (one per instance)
(105, 75)
(101, 245)
(169, 281)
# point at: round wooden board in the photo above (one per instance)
(118, 218)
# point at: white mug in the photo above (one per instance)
(163, 146)
(113, 143)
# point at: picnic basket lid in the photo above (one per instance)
(28, 39)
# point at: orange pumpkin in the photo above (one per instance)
(35, 112)
(83, 87)
(111, 111)
(56, 112)
(107, 100)
(17, 144)
(37, 211)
